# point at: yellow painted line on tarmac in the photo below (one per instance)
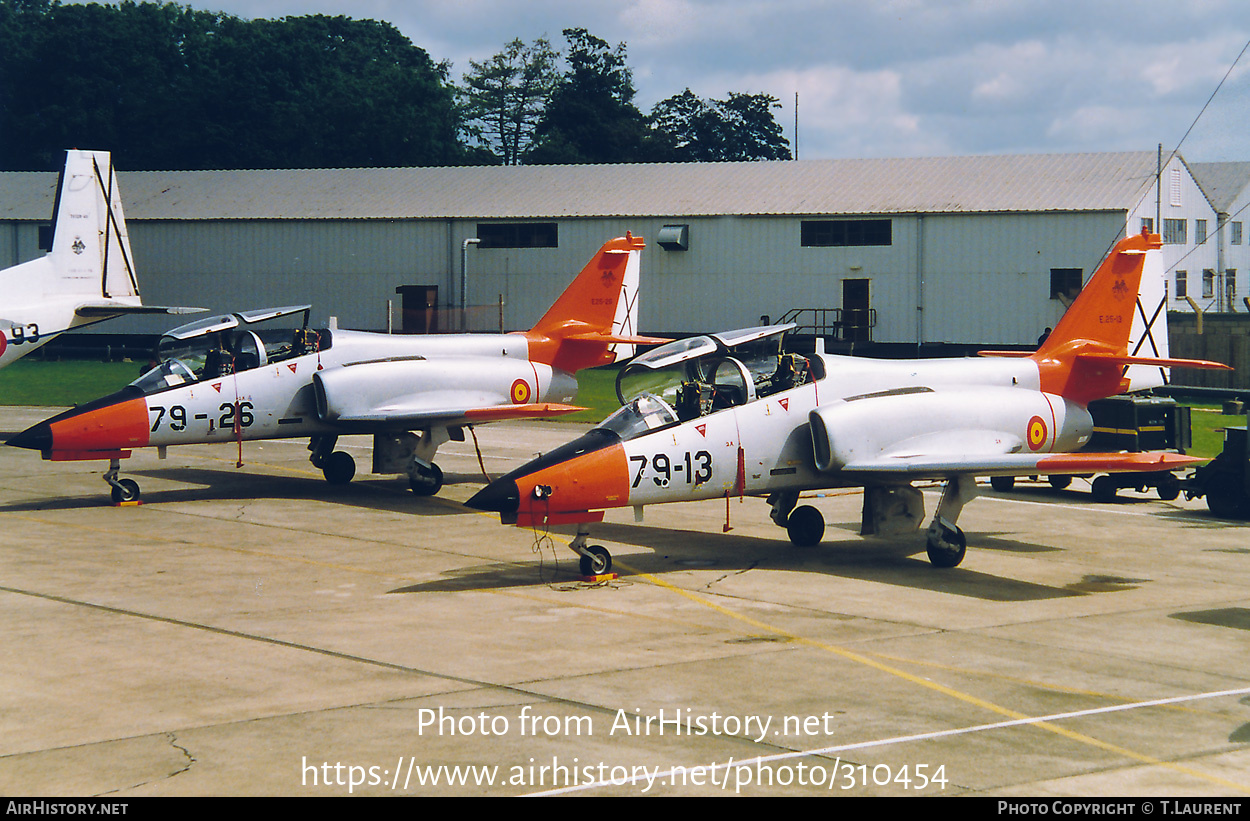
(841, 652)
(967, 698)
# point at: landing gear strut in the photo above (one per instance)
(123, 490)
(596, 560)
(946, 543)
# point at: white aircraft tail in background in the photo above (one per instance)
(89, 274)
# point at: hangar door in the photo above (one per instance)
(418, 308)
(857, 314)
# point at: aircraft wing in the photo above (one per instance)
(635, 340)
(96, 310)
(926, 466)
(400, 416)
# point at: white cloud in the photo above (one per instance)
(895, 77)
(844, 112)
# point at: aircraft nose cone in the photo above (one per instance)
(36, 437)
(500, 496)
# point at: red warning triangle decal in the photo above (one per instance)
(217, 387)
(292, 366)
(702, 429)
(785, 404)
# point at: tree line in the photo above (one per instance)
(169, 87)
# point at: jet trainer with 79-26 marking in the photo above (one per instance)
(730, 415)
(223, 381)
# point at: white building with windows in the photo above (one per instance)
(968, 250)
(1224, 285)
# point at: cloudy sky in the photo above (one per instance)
(892, 78)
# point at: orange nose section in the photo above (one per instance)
(564, 492)
(112, 427)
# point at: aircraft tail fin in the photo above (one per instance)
(90, 254)
(595, 321)
(1113, 338)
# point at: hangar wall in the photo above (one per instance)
(959, 278)
(969, 259)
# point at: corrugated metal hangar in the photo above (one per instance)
(967, 250)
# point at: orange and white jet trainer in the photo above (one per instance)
(87, 277)
(223, 381)
(730, 415)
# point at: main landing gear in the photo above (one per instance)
(403, 453)
(946, 543)
(888, 511)
(337, 466)
(804, 525)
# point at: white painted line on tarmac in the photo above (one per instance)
(885, 742)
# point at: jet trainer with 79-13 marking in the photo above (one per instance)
(730, 415)
(223, 381)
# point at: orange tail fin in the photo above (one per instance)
(582, 327)
(1086, 356)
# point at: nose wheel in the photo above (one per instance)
(122, 490)
(595, 559)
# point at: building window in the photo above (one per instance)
(518, 235)
(1065, 283)
(1174, 232)
(1148, 224)
(1230, 284)
(1235, 232)
(1182, 284)
(1174, 197)
(842, 233)
(1208, 283)
(1200, 231)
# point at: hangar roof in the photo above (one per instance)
(1222, 182)
(978, 184)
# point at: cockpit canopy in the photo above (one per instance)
(642, 414)
(702, 374)
(229, 343)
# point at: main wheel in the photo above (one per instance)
(598, 562)
(1059, 481)
(426, 482)
(946, 548)
(126, 490)
(1104, 489)
(339, 468)
(805, 526)
(1002, 483)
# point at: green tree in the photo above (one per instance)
(506, 96)
(738, 128)
(164, 86)
(591, 117)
